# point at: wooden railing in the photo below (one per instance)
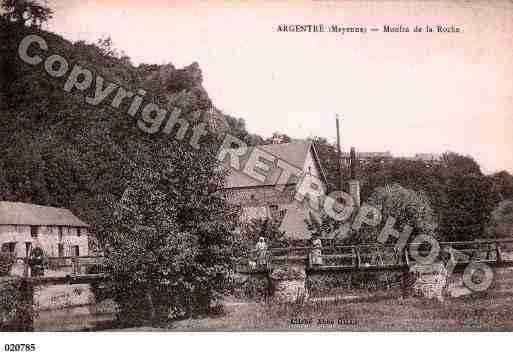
(68, 264)
(368, 256)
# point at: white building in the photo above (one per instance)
(268, 199)
(56, 230)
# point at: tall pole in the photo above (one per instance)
(339, 157)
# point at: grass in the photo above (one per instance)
(488, 312)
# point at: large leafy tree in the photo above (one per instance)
(170, 241)
(462, 197)
(406, 206)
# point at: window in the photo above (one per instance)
(34, 231)
(49, 229)
(60, 249)
(273, 210)
(75, 251)
(252, 197)
(9, 247)
(276, 213)
(79, 233)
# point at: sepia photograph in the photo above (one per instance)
(313, 166)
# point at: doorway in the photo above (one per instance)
(75, 251)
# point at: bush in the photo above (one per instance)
(287, 273)
(169, 246)
(406, 206)
(324, 284)
(269, 228)
(16, 310)
(251, 287)
(501, 221)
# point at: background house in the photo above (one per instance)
(266, 199)
(365, 158)
(56, 230)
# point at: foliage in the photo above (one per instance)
(501, 222)
(268, 227)
(288, 273)
(251, 287)
(238, 129)
(172, 237)
(106, 47)
(170, 242)
(26, 12)
(328, 156)
(406, 206)
(277, 138)
(16, 309)
(325, 285)
(326, 227)
(503, 184)
(462, 198)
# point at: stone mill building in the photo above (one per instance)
(270, 199)
(56, 230)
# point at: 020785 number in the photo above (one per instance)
(19, 347)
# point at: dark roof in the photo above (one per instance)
(294, 153)
(31, 214)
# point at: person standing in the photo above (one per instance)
(261, 252)
(317, 252)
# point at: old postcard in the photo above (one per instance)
(325, 166)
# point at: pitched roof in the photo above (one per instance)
(294, 153)
(31, 214)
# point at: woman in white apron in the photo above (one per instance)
(316, 254)
(261, 252)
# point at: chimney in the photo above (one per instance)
(354, 184)
(352, 173)
(339, 157)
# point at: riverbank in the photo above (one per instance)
(469, 313)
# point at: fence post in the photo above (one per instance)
(405, 283)
(25, 267)
(499, 253)
(76, 268)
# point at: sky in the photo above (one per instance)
(401, 92)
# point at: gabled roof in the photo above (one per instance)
(18, 213)
(294, 153)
